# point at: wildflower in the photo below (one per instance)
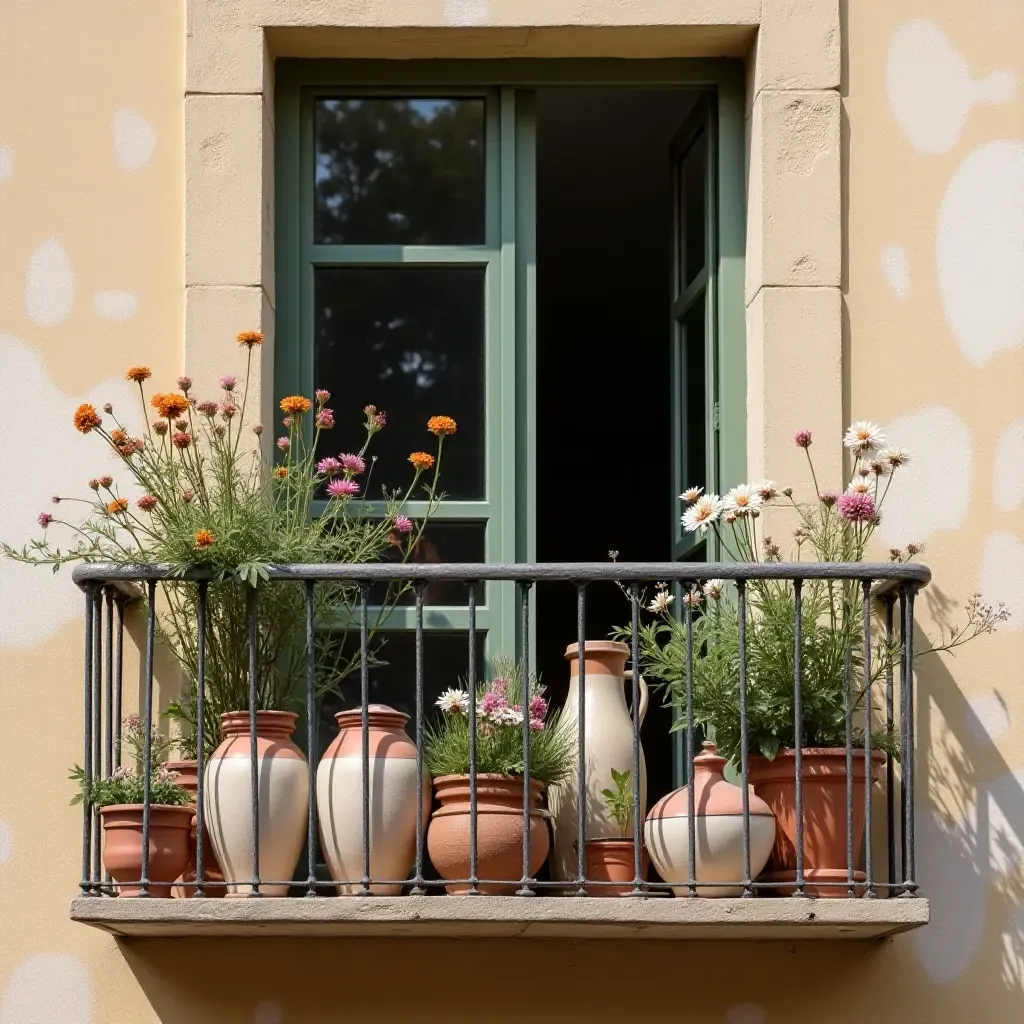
(742, 499)
(402, 524)
(787, 492)
(864, 436)
(767, 490)
(208, 408)
(829, 498)
(914, 549)
(714, 589)
(421, 460)
(94, 484)
(863, 471)
(702, 513)
(86, 419)
(441, 426)
(219, 430)
(187, 495)
(693, 598)
(613, 556)
(228, 409)
(380, 420)
(660, 604)
(370, 410)
(288, 421)
(771, 549)
(165, 775)
(107, 482)
(894, 455)
(169, 406)
(691, 494)
(250, 338)
(895, 554)
(44, 519)
(148, 502)
(802, 438)
(879, 467)
(352, 463)
(55, 499)
(160, 427)
(508, 716)
(859, 486)
(138, 373)
(325, 419)
(536, 724)
(322, 396)
(281, 472)
(453, 702)
(181, 425)
(228, 382)
(857, 508)
(296, 405)
(132, 723)
(204, 538)
(108, 408)
(343, 488)
(122, 773)
(184, 383)
(117, 506)
(182, 440)
(325, 467)
(257, 429)
(284, 443)
(538, 709)
(730, 518)
(494, 700)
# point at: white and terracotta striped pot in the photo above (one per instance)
(283, 786)
(393, 794)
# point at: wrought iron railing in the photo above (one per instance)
(109, 590)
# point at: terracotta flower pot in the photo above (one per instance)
(613, 860)
(393, 798)
(824, 793)
(499, 831)
(188, 778)
(169, 830)
(283, 787)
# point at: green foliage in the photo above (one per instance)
(619, 801)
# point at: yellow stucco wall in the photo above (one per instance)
(91, 278)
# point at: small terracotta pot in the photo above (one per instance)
(188, 778)
(169, 830)
(824, 794)
(613, 860)
(499, 824)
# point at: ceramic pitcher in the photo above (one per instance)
(609, 744)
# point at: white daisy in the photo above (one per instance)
(862, 485)
(864, 436)
(702, 513)
(507, 716)
(743, 499)
(767, 490)
(693, 598)
(895, 455)
(453, 702)
(714, 589)
(691, 494)
(661, 602)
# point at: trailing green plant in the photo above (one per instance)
(499, 730)
(837, 670)
(619, 801)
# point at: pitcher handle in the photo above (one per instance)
(643, 695)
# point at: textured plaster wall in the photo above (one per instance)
(930, 282)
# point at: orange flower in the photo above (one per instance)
(296, 405)
(281, 472)
(86, 418)
(118, 436)
(441, 425)
(117, 505)
(421, 460)
(138, 373)
(204, 538)
(170, 406)
(250, 338)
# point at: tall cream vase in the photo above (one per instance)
(609, 744)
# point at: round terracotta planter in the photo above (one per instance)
(613, 860)
(283, 787)
(169, 831)
(393, 799)
(824, 794)
(499, 831)
(188, 778)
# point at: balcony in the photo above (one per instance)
(340, 848)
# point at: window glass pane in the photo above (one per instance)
(694, 468)
(399, 171)
(409, 340)
(692, 173)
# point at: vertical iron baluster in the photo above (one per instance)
(869, 892)
(908, 770)
(119, 680)
(634, 600)
(741, 603)
(109, 694)
(201, 595)
(312, 744)
(903, 732)
(798, 728)
(364, 681)
(690, 754)
(87, 811)
(524, 597)
(581, 718)
(848, 692)
(473, 876)
(890, 780)
(147, 726)
(419, 889)
(254, 773)
(97, 726)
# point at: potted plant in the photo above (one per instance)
(612, 858)
(500, 717)
(209, 500)
(833, 527)
(119, 798)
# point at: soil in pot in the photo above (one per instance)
(188, 778)
(169, 830)
(613, 860)
(499, 832)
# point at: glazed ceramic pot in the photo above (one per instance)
(824, 796)
(169, 842)
(613, 860)
(188, 778)
(609, 744)
(393, 799)
(283, 787)
(718, 828)
(499, 840)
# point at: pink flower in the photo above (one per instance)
(284, 443)
(536, 724)
(381, 419)
(829, 498)
(257, 429)
(402, 524)
(228, 382)
(494, 699)
(184, 383)
(207, 408)
(857, 508)
(287, 421)
(228, 409)
(343, 488)
(538, 707)
(328, 466)
(147, 502)
(353, 463)
(322, 396)
(325, 419)
(44, 519)
(803, 438)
